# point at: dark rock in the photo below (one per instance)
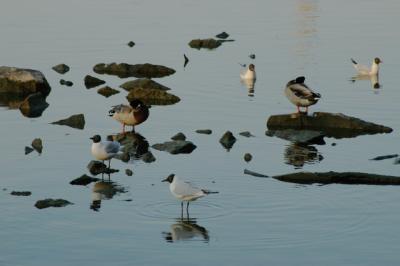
(21, 193)
(179, 136)
(252, 56)
(384, 157)
(46, 203)
(175, 147)
(83, 180)
(205, 43)
(28, 150)
(34, 105)
(37, 145)
(222, 35)
(298, 136)
(204, 131)
(227, 140)
(61, 68)
(74, 121)
(96, 167)
(339, 178)
(91, 82)
(128, 172)
(148, 157)
(62, 81)
(125, 157)
(134, 145)
(20, 82)
(124, 70)
(298, 154)
(333, 125)
(69, 83)
(333, 144)
(131, 44)
(186, 60)
(248, 172)
(397, 161)
(153, 97)
(143, 83)
(107, 91)
(247, 157)
(246, 134)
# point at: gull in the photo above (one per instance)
(249, 73)
(366, 71)
(133, 114)
(104, 150)
(185, 191)
(300, 94)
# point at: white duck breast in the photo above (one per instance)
(124, 114)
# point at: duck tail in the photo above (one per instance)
(353, 61)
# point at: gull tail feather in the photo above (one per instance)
(205, 191)
(353, 61)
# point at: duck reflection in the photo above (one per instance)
(374, 79)
(249, 84)
(135, 146)
(186, 230)
(104, 190)
(298, 154)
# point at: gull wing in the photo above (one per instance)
(111, 146)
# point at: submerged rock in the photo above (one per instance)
(153, 96)
(131, 44)
(246, 134)
(83, 180)
(134, 145)
(66, 82)
(332, 124)
(227, 140)
(33, 105)
(74, 121)
(128, 172)
(148, 157)
(61, 68)
(384, 157)
(37, 145)
(21, 193)
(298, 136)
(46, 203)
(248, 172)
(175, 147)
(247, 157)
(91, 82)
(143, 83)
(205, 43)
(28, 150)
(107, 91)
(222, 35)
(252, 56)
(124, 70)
(186, 60)
(179, 136)
(339, 178)
(204, 131)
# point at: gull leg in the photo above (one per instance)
(182, 210)
(187, 210)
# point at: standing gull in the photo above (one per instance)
(249, 73)
(300, 94)
(104, 150)
(133, 114)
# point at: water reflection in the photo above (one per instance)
(31, 106)
(104, 190)
(298, 154)
(249, 84)
(186, 230)
(134, 144)
(374, 79)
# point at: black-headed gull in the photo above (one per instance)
(300, 94)
(104, 150)
(367, 71)
(133, 114)
(249, 73)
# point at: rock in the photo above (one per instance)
(91, 82)
(384, 157)
(205, 43)
(246, 134)
(175, 147)
(333, 144)
(247, 157)
(134, 144)
(62, 81)
(74, 121)
(96, 167)
(83, 180)
(222, 35)
(37, 145)
(339, 178)
(148, 157)
(128, 172)
(248, 172)
(204, 131)
(21, 193)
(46, 203)
(124, 70)
(227, 140)
(107, 91)
(22, 82)
(332, 124)
(252, 56)
(143, 83)
(33, 105)
(28, 150)
(298, 154)
(298, 136)
(397, 161)
(61, 68)
(66, 82)
(179, 136)
(153, 97)
(186, 60)
(131, 44)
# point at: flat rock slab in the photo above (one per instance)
(143, 83)
(22, 82)
(124, 70)
(107, 91)
(21, 193)
(61, 68)
(74, 121)
(248, 172)
(46, 203)
(335, 125)
(354, 178)
(83, 180)
(153, 96)
(298, 136)
(205, 43)
(175, 147)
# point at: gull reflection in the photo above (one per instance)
(249, 84)
(298, 154)
(186, 230)
(104, 190)
(374, 79)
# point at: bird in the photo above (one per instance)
(186, 230)
(249, 73)
(104, 150)
(366, 71)
(300, 94)
(133, 114)
(185, 191)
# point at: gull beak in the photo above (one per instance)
(91, 138)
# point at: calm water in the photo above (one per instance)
(256, 220)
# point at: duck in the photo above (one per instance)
(366, 71)
(133, 114)
(249, 73)
(104, 150)
(300, 94)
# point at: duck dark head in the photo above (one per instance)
(169, 179)
(251, 67)
(96, 138)
(377, 60)
(300, 80)
(135, 104)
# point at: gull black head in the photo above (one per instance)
(169, 179)
(96, 138)
(135, 103)
(251, 67)
(300, 80)
(377, 60)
